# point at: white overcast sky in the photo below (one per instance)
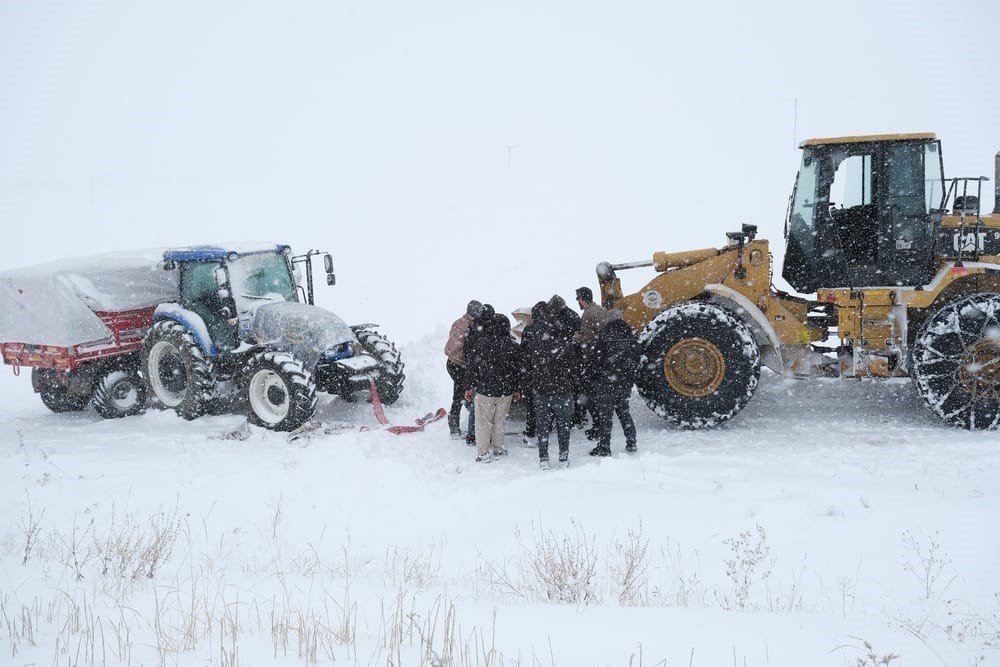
(448, 150)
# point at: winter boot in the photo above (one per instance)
(470, 439)
(564, 462)
(484, 458)
(497, 453)
(543, 464)
(600, 451)
(631, 448)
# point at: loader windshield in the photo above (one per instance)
(260, 278)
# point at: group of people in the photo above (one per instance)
(567, 366)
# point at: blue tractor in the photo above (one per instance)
(245, 334)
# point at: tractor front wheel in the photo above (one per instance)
(390, 364)
(956, 362)
(279, 393)
(700, 364)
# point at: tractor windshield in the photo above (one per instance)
(260, 278)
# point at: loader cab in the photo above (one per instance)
(864, 212)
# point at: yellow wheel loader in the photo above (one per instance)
(906, 272)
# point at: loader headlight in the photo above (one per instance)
(605, 272)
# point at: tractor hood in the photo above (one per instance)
(306, 332)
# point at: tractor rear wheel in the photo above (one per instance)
(280, 395)
(956, 362)
(175, 369)
(390, 364)
(700, 364)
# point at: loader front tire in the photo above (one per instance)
(700, 365)
(956, 362)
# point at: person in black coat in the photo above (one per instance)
(480, 324)
(494, 363)
(539, 313)
(568, 318)
(615, 364)
(550, 366)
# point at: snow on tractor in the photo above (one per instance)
(908, 287)
(202, 329)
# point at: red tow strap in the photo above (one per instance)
(380, 417)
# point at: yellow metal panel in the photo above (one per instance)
(868, 138)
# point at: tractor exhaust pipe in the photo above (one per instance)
(996, 186)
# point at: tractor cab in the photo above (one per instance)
(220, 284)
(865, 212)
(224, 286)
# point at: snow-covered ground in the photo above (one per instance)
(828, 515)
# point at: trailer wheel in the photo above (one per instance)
(956, 362)
(175, 369)
(56, 394)
(119, 393)
(280, 394)
(390, 364)
(700, 365)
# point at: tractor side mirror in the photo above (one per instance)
(328, 265)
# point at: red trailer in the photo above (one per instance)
(79, 324)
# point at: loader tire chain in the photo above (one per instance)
(940, 351)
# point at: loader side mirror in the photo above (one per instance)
(331, 279)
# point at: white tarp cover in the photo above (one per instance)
(54, 303)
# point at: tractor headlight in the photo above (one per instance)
(341, 351)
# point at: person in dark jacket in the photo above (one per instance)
(559, 312)
(567, 317)
(550, 365)
(593, 317)
(539, 314)
(480, 323)
(615, 364)
(494, 374)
